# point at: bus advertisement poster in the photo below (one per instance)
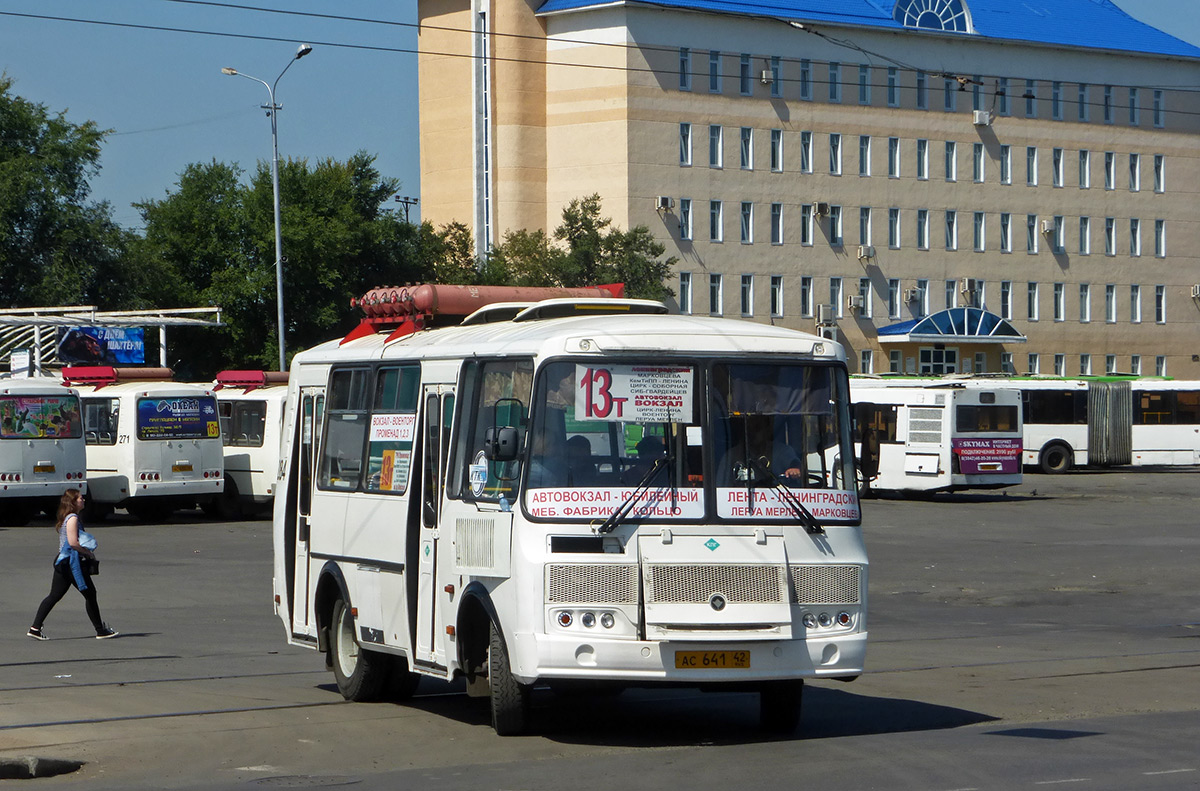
(102, 345)
(982, 456)
(39, 417)
(177, 418)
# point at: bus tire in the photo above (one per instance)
(149, 512)
(1055, 458)
(360, 673)
(401, 681)
(15, 516)
(509, 698)
(779, 706)
(229, 503)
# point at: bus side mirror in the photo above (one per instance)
(501, 443)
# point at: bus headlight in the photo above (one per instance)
(588, 619)
(565, 619)
(809, 620)
(606, 620)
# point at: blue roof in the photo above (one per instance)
(961, 324)
(1094, 24)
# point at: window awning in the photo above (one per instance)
(953, 325)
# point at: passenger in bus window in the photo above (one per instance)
(581, 470)
(650, 448)
(756, 455)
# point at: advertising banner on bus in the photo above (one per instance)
(40, 417)
(987, 456)
(102, 345)
(177, 418)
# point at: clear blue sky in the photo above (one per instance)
(163, 95)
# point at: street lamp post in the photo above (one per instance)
(272, 110)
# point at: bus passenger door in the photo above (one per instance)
(434, 441)
(311, 409)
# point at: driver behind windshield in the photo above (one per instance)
(754, 454)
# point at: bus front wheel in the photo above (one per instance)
(360, 674)
(1055, 458)
(509, 698)
(779, 706)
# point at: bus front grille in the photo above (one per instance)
(581, 583)
(825, 584)
(696, 584)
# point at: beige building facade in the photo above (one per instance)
(839, 175)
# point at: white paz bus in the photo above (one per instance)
(41, 447)
(250, 405)
(570, 491)
(153, 445)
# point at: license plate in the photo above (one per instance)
(43, 468)
(712, 660)
(181, 468)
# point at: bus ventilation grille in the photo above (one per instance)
(577, 583)
(739, 584)
(825, 584)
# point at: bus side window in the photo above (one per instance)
(393, 421)
(100, 420)
(495, 393)
(345, 430)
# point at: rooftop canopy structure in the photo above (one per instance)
(953, 325)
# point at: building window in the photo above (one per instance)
(1059, 244)
(1056, 101)
(1085, 169)
(864, 225)
(864, 155)
(747, 223)
(835, 83)
(1134, 117)
(1005, 232)
(1135, 172)
(951, 161)
(1002, 95)
(922, 229)
(922, 298)
(1135, 304)
(977, 162)
(866, 361)
(806, 79)
(1031, 166)
(895, 361)
(1160, 176)
(1110, 236)
(747, 296)
(1033, 363)
(685, 218)
(835, 226)
(1031, 233)
(1110, 170)
(715, 147)
(1160, 304)
(745, 83)
(806, 152)
(1085, 235)
(835, 295)
(894, 229)
(949, 94)
(747, 148)
(864, 296)
(776, 150)
(1030, 97)
(806, 225)
(776, 296)
(1085, 365)
(835, 154)
(1159, 114)
(714, 294)
(1160, 365)
(894, 157)
(776, 223)
(1085, 302)
(893, 87)
(714, 71)
(1110, 363)
(1135, 364)
(922, 159)
(685, 144)
(922, 93)
(977, 226)
(1135, 237)
(716, 223)
(893, 298)
(806, 296)
(685, 292)
(1083, 101)
(1060, 364)
(685, 69)
(1110, 303)
(1057, 162)
(1006, 363)
(1060, 301)
(1160, 238)
(864, 84)
(776, 77)
(951, 293)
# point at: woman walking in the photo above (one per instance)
(71, 567)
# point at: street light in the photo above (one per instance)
(272, 110)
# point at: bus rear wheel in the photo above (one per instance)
(779, 706)
(509, 698)
(1055, 458)
(360, 673)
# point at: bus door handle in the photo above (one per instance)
(302, 532)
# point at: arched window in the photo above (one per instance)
(948, 15)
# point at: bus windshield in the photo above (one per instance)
(40, 417)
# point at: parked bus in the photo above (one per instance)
(153, 445)
(250, 405)
(573, 491)
(936, 436)
(41, 447)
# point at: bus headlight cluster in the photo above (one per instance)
(587, 619)
(825, 620)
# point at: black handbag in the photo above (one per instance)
(90, 566)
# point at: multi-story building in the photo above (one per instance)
(861, 166)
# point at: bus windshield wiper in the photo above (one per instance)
(622, 511)
(802, 514)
